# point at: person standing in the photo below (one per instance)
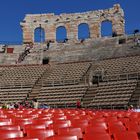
(35, 103)
(78, 104)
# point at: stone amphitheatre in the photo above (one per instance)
(90, 71)
(100, 72)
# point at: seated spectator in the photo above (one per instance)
(27, 49)
(82, 40)
(131, 108)
(137, 109)
(1, 104)
(5, 106)
(138, 42)
(48, 44)
(114, 34)
(11, 106)
(16, 106)
(3, 49)
(78, 104)
(44, 106)
(65, 40)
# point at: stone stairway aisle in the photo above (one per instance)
(135, 99)
(89, 95)
(39, 84)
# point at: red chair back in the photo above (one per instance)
(39, 133)
(6, 134)
(126, 136)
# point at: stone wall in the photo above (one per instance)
(94, 19)
(89, 50)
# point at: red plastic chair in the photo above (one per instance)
(5, 120)
(71, 131)
(62, 138)
(97, 136)
(40, 121)
(95, 129)
(111, 119)
(6, 134)
(23, 139)
(62, 122)
(3, 116)
(10, 127)
(132, 126)
(33, 126)
(40, 133)
(98, 123)
(22, 121)
(124, 120)
(59, 118)
(5, 123)
(56, 126)
(126, 136)
(80, 124)
(97, 120)
(116, 127)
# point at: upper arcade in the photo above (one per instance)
(50, 22)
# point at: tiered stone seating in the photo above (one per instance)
(117, 93)
(62, 95)
(60, 84)
(20, 76)
(17, 81)
(119, 66)
(63, 74)
(13, 95)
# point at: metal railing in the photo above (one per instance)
(124, 76)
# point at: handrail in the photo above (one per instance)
(124, 76)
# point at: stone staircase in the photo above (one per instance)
(39, 84)
(89, 95)
(135, 99)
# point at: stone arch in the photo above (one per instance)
(83, 31)
(106, 28)
(61, 33)
(39, 34)
(71, 22)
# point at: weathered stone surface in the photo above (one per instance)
(50, 22)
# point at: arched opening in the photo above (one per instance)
(39, 35)
(106, 28)
(83, 31)
(61, 34)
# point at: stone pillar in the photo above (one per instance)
(118, 27)
(28, 34)
(73, 34)
(68, 28)
(50, 32)
(94, 30)
(118, 22)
